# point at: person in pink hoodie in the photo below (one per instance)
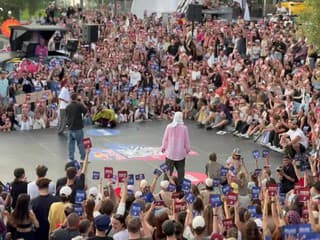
(176, 145)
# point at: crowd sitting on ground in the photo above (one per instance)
(230, 204)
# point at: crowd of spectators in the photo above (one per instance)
(255, 80)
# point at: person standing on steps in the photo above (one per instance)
(176, 146)
(75, 112)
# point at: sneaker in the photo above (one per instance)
(235, 133)
(246, 136)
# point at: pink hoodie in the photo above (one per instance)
(175, 142)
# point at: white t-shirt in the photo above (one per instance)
(122, 235)
(298, 132)
(135, 78)
(33, 189)
(65, 95)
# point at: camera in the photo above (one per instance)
(279, 169)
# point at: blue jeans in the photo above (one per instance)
(73, 137)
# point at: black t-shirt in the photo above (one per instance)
(17, 187)
(78, 184)
(74, 112)
(289, 170)
(41, 206)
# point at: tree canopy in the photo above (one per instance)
(310, 21)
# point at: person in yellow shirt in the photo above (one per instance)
(57, 212)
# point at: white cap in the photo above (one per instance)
(197, 222)
(130, 187)
(143, 183)
(93, 191)
(209, 182)
(138, 194)
(164, 184)
(65, 191)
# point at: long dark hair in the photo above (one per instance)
(21, 211)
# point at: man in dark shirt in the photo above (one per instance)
(75, 112)
(287, 175)
(41, 206)
(71, 231)
(18, 186)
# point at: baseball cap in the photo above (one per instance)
(198, 222)
(138, 194)
(65, 191)
(209, 182)
(102, 222)
(236, 151)
(164, 184)
(93, 191)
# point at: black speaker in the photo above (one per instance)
(194, 12)
(72, 45)
(90, 33)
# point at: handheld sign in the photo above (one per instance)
(131, 179)
(122, 175)
(157, 172)
(179, 206)
(114, 179)
(80, 196)
(273, 189)
(257, 171)
(140, 177)
(108, 172)
(190, 198)
(256, 154)
(216, 182)
(186, 185)
(253, 211)
(7, 187)
(223, 171)
(95, 175)
(164, 167)
(226, 189)
(87, 143)
(255, 191)
(135, 209)
(227, 223)
(78, 210)
(159, 203)
(304, 194)
(231, 198)
(265, 153)
(215, 200)
(171, 187)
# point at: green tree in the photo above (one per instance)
(310, 21)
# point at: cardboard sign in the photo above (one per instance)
(215, 200)
(33, 97)
(140, 177)
(190, 198)
(171, 187)
(226, 189)
(80, 196)
(131, 179)
(273, 189)
(231, 198)
(304, 194)
(164, 167)
(186, 185)
(224, 171)
(87, 143)
(95, 175)
(122, 176)
(108, 172)
(256, 154)
(135, 209)
(227, 223)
